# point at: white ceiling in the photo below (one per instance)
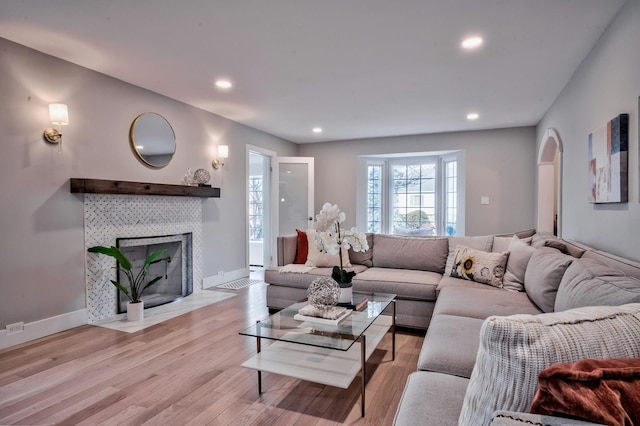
(356, 68)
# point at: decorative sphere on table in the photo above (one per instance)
(323, 292)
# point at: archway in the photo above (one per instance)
(550, 183)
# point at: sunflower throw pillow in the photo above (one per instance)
(479, 266)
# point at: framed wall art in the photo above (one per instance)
(608, 161)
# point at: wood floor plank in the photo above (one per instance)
(186, 371)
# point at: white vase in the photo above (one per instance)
(346, 294)
(135, 311)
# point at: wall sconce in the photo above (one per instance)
(58, 115)
(223, 153)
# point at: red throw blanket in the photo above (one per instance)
(598, 390)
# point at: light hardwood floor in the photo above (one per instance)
(186, 371)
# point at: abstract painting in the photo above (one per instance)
(608, 161)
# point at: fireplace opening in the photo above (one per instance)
(177, 275)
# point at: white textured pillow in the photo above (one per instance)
(317, 259)
(520, 253)
(515, 349)
(479, 266)
(483, 243)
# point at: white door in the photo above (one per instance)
(293, 195)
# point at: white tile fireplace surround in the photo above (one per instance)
(107, 217)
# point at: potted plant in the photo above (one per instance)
(330, 238)
(137, 283)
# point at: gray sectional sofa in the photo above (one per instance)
(484, 347)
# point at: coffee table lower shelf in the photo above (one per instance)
(329, 367)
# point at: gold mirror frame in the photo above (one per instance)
(153, 139)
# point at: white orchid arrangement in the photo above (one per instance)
(330, 238)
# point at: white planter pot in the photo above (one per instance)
(346, 294)
(135, 311)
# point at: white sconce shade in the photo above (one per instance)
(59, 114)
(223, 153)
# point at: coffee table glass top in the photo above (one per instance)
(283, 327)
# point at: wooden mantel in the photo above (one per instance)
(103, 186)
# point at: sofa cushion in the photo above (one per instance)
(360, 258)
(318, 259)
(546, 239)
(423, 254)
(408, 283)
(437, 353)
(543, 275)
(501, 244)
(479, 266)
(587, 282)
(431, 399)
(514, 350)
(459, 282)
(292, 279)
(483, 243)
(528, 233)
(519, 254)
(287, 248)
(481, 304)
(627, 266)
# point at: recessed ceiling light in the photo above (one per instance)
(223, 84)
(140, 146)
(317, 130)
(471, 42)
(473, 116)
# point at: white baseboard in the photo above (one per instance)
(216, 280)
(45, 327)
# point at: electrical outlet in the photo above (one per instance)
(484, 201)
(16, 327)
(220, 273)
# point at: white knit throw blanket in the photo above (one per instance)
(296, 268)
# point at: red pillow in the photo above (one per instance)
(303, 248)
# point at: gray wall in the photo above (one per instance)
(500, 164)
(42, 262)
(605, 85)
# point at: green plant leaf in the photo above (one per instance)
(152, 257)
(113, 252)
(120, 287)
(152, 282)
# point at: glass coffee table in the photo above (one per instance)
(328, 354)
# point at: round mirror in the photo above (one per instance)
(153, 139)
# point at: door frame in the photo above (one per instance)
(275, 194)
(268, 231)
(550, 176)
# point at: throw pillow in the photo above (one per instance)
(543, 275)
(317, 259)
(603, 391)
(360, 258)
(515, 349)
(479, 266)
(479, 243)
(303, 247)
(519, 254)
(588, 282)
(500, 244)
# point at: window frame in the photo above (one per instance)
(440, 159)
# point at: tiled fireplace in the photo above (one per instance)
(108, 218)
